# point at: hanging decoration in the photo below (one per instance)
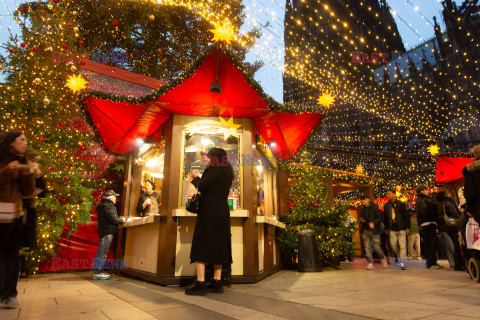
(76, 83)
(326, 100)
(224, 32)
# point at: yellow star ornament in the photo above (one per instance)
(228, 128)
(433, 149)
(359, 170)
(223, 32)
(326, 100)
(76, 83)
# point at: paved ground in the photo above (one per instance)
(351, 293)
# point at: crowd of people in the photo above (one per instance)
(394, 232)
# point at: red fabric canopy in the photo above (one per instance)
(120, 123)
(449, 169)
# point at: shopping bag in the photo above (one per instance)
(473, 234)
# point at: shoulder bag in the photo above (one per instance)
(452, 222)
(193, 204)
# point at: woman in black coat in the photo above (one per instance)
(211, 242)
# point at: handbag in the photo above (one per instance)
(193, 204)
(8, 212)
(453, 222)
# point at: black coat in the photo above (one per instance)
(108, 219)
(212, 236)
(372, 214)
(472, 188)
(401, 216)
(427, 209)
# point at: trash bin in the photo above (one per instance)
(308, 259)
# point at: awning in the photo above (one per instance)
(449, 169)
(119, 121)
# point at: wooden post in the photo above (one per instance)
(168, 226)
(250, 230)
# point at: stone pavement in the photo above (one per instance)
(351, 293)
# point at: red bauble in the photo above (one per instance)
(22, 8)
(55, 1)
(161, 53)
(42, 12)
(293, 228)
(115, 22)
(35, 49)
(83, 62)
(66, 179)
(23, 45)
(69, 25)
(315, 204)
(62, 200)
(307, 223)
(65, 46)
(81, 42)
(40, 139)
(10, 50)
(82, 147)
(291, 204)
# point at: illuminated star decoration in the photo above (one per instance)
(433, 149)
(223, 32)
(326, 100)
(228, 128)
(76, 83)
(359, 170)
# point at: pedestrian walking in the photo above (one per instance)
(371, 219)
(398, 226)
(414, 236)
(471, 174)
(211, 242)
(450, 234)
(17, 180)
(108, 222)
(427, 216)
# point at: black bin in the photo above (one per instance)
(308, 259)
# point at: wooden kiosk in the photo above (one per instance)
(163, 136)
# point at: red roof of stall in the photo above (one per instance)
(121, 120)
(449, 169)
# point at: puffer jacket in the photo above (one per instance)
(472, 188)
(108, 219)
(15, 184)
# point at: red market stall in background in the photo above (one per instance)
(449, 174)
(163, 134)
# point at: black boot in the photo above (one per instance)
(199, 289)
(215, 286)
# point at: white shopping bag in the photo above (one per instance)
(473, 234)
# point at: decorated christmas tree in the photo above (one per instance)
(39, 98)
(312, 207)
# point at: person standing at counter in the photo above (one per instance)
(211, 242)
(149, 201)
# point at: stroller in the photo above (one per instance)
(471, 249)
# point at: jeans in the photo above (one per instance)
(370, 239)
(103, 247)
(429, 233)
(10, 237)
(396, 238)
(452, 247)
(414, 239)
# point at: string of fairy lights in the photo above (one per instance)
(328, 78)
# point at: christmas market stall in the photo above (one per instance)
(163, 135)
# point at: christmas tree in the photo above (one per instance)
(38, 98)
(312, 207)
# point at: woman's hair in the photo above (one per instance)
(442, 195)
(6, 143)
(219, 159)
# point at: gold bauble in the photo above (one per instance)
(73, 68)
(50, 6)
(74, 13)
(151, 17)
(37, 81)
(46, 100)
(75, 29)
